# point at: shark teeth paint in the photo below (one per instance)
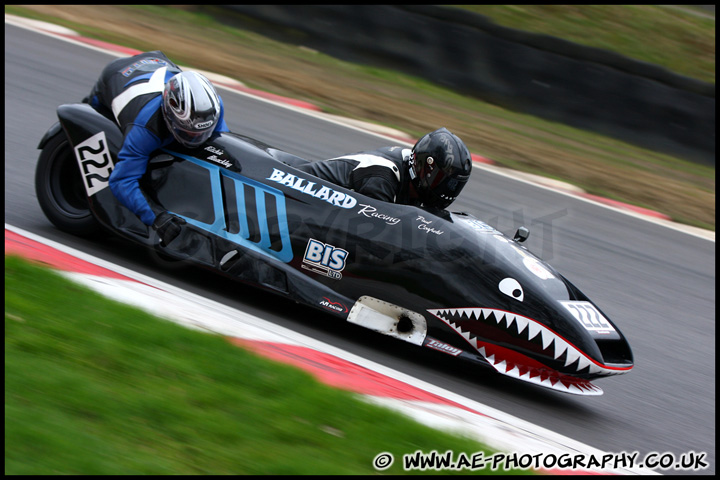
(514, 364)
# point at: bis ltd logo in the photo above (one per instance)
(324, 259)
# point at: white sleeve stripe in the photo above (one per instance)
(366, 160)
(155, 84)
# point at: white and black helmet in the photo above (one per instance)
(191, 108)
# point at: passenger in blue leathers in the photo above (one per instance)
(155, 103)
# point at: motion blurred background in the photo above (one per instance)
(533, 88)
(618, 100)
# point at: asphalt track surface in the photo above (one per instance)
(656, 283)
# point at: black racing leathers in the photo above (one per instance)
(381, 174)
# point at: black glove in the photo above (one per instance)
(168, 227)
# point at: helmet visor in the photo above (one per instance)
(442, 190)
(191, 139)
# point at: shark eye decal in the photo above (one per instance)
(512, 288)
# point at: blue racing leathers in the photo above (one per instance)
(129, 91)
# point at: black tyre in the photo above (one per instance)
(60, 191)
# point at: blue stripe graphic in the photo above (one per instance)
(219, 226)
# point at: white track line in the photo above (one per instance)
(493, 427)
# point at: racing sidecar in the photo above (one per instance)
(441, 280)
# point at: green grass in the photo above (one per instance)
(676, 37)
(93, 387)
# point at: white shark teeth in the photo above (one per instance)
(472, 340)
(521, 323)
(533, 329)
(560, 347)
(555, 381)
(547, 338)
(527, 328)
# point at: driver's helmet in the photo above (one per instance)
(440, 167)
(191, 108)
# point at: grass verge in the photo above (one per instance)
(680, 38)
(94, 387)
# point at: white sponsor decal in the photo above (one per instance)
(334, 306)
(339, 199)
(481, 226)
(324, 259)
(589, 316)
(370, 211)
(443, 347)
(95, 162)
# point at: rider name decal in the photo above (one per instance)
(214, 150)
(425, 225)
(324, 259)
(95, 162)
(225, 163)
(214, 157)
(322, 192)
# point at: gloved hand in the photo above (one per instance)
(168, 227)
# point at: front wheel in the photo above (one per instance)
(60, 191)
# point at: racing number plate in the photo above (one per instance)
(589, 317)
(95, 163)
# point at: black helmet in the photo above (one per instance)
(439, 168)
(191, 108)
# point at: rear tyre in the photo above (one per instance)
(60, 191)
